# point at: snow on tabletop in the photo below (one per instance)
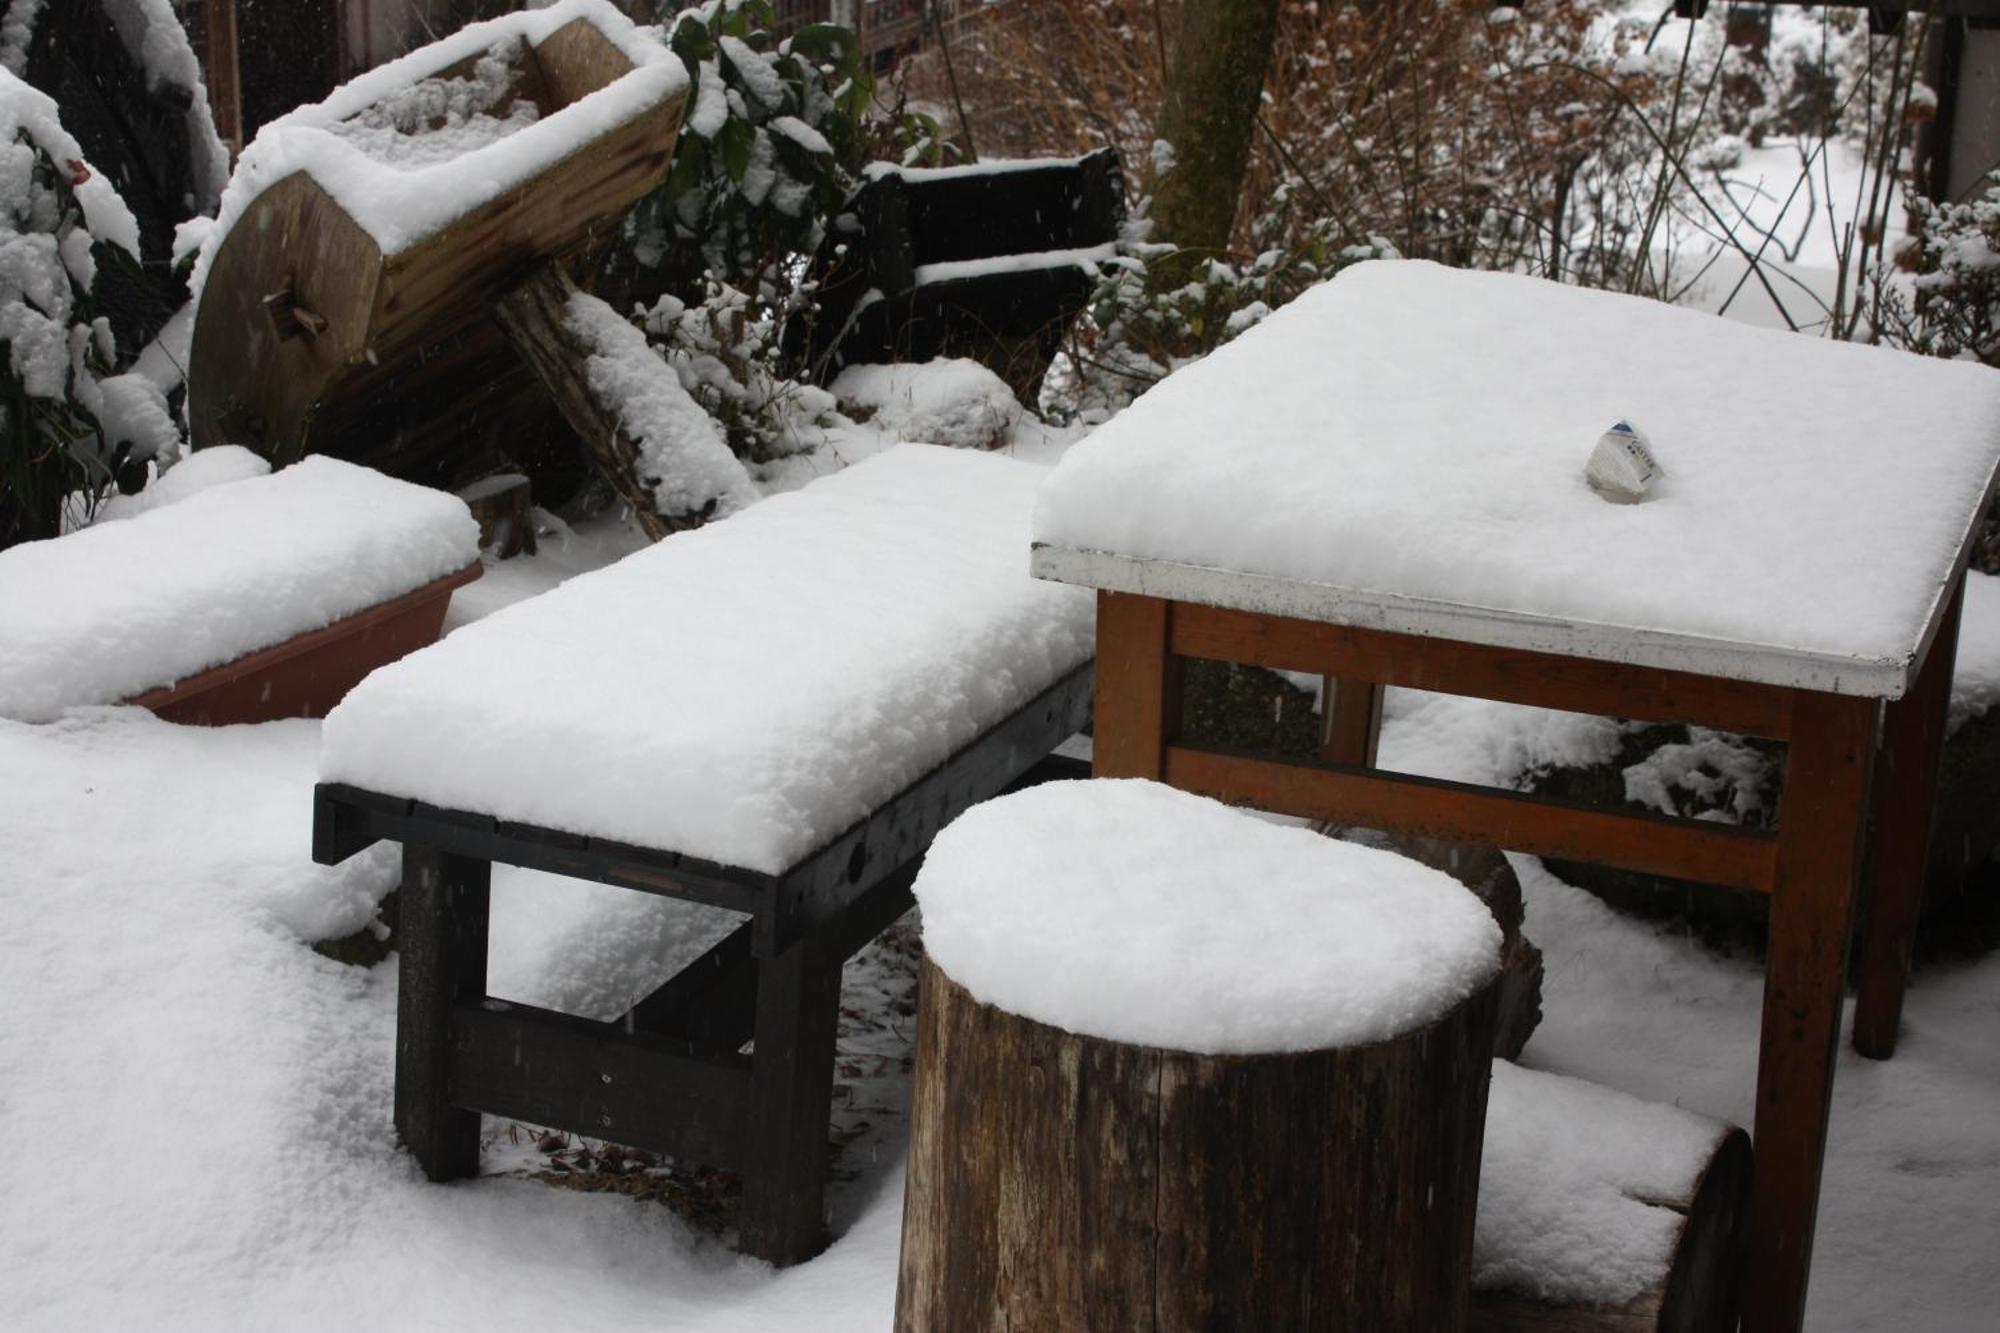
(117, 609)
(1567, 1169)
(1406, 431)
(743, 692)
(1134, 912)
(406, 198)
(954, 402)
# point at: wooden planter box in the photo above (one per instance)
(306, 675)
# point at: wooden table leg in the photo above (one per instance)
(1906, 783)
(783, 1218)
(1820, 831)
(441, 926)
(1352, 720)
(1138, 701)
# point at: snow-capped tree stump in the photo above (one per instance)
(1602, 1213)
(1264, 1104)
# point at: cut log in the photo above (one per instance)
(1060, 1181)
(1601, 1213)
(535, 316)
(500, 506)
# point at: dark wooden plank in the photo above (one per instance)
(349, 818)
(783, 1217)
(1821, 820)
(1654, 844)
(552, 1069)
(1138, 687)
(712, 1000)
(1903, 801)
(873, 849)
(441, 933)
(1351, 712)
(1513, 675)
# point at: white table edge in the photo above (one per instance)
(1764, 664)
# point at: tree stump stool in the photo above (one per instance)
(1180, 1068)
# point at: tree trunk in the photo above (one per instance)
(1062, 1181)
(1220, 58)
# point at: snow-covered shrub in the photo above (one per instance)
(768, 152)
(70, 423)
(1955, 306)
(725, 350)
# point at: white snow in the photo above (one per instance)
(1408, 442)
(1975, 682)
(1564, 1185)
(996, 166)
(437, 119)
(199, 470)
(1086, 257)
(1138, 913)
(952, 402)
(682, 454)
(744, 691)
(100, 615)
(400, 207)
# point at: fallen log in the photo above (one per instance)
(1603, 1213)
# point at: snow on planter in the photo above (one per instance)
(1403, 447)
(117, 609)
(1133, 912)
(742, 692)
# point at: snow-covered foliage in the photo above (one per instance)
(957, 403)
(768, 151)
(72, 422)
(683, 459)
(726, 350)
(1955, 307)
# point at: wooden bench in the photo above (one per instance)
(945, 676)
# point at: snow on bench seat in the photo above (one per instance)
(1403, 448)
(115, 610)
(744, 692)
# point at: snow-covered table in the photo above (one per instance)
(1384, 484)
(772, 715)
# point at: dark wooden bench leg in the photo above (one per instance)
(441, 929)
(783, 1217)
(1820, 826)
(1906, 783)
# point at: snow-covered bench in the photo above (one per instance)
(263, 597)
(771, 715)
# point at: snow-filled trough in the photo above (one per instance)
(325, 566)
(344, 297)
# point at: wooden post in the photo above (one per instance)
(1351, 711)
(1059, 1181)
(225, 84)
(1138, 688)
(1905, 795)
(1820, 830)
(441, 931)
(783, 1217)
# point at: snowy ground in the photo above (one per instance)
(198, 1106)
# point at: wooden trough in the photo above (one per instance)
(321, 329)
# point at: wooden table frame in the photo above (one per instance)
(669, 1076)
(1840, 749)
